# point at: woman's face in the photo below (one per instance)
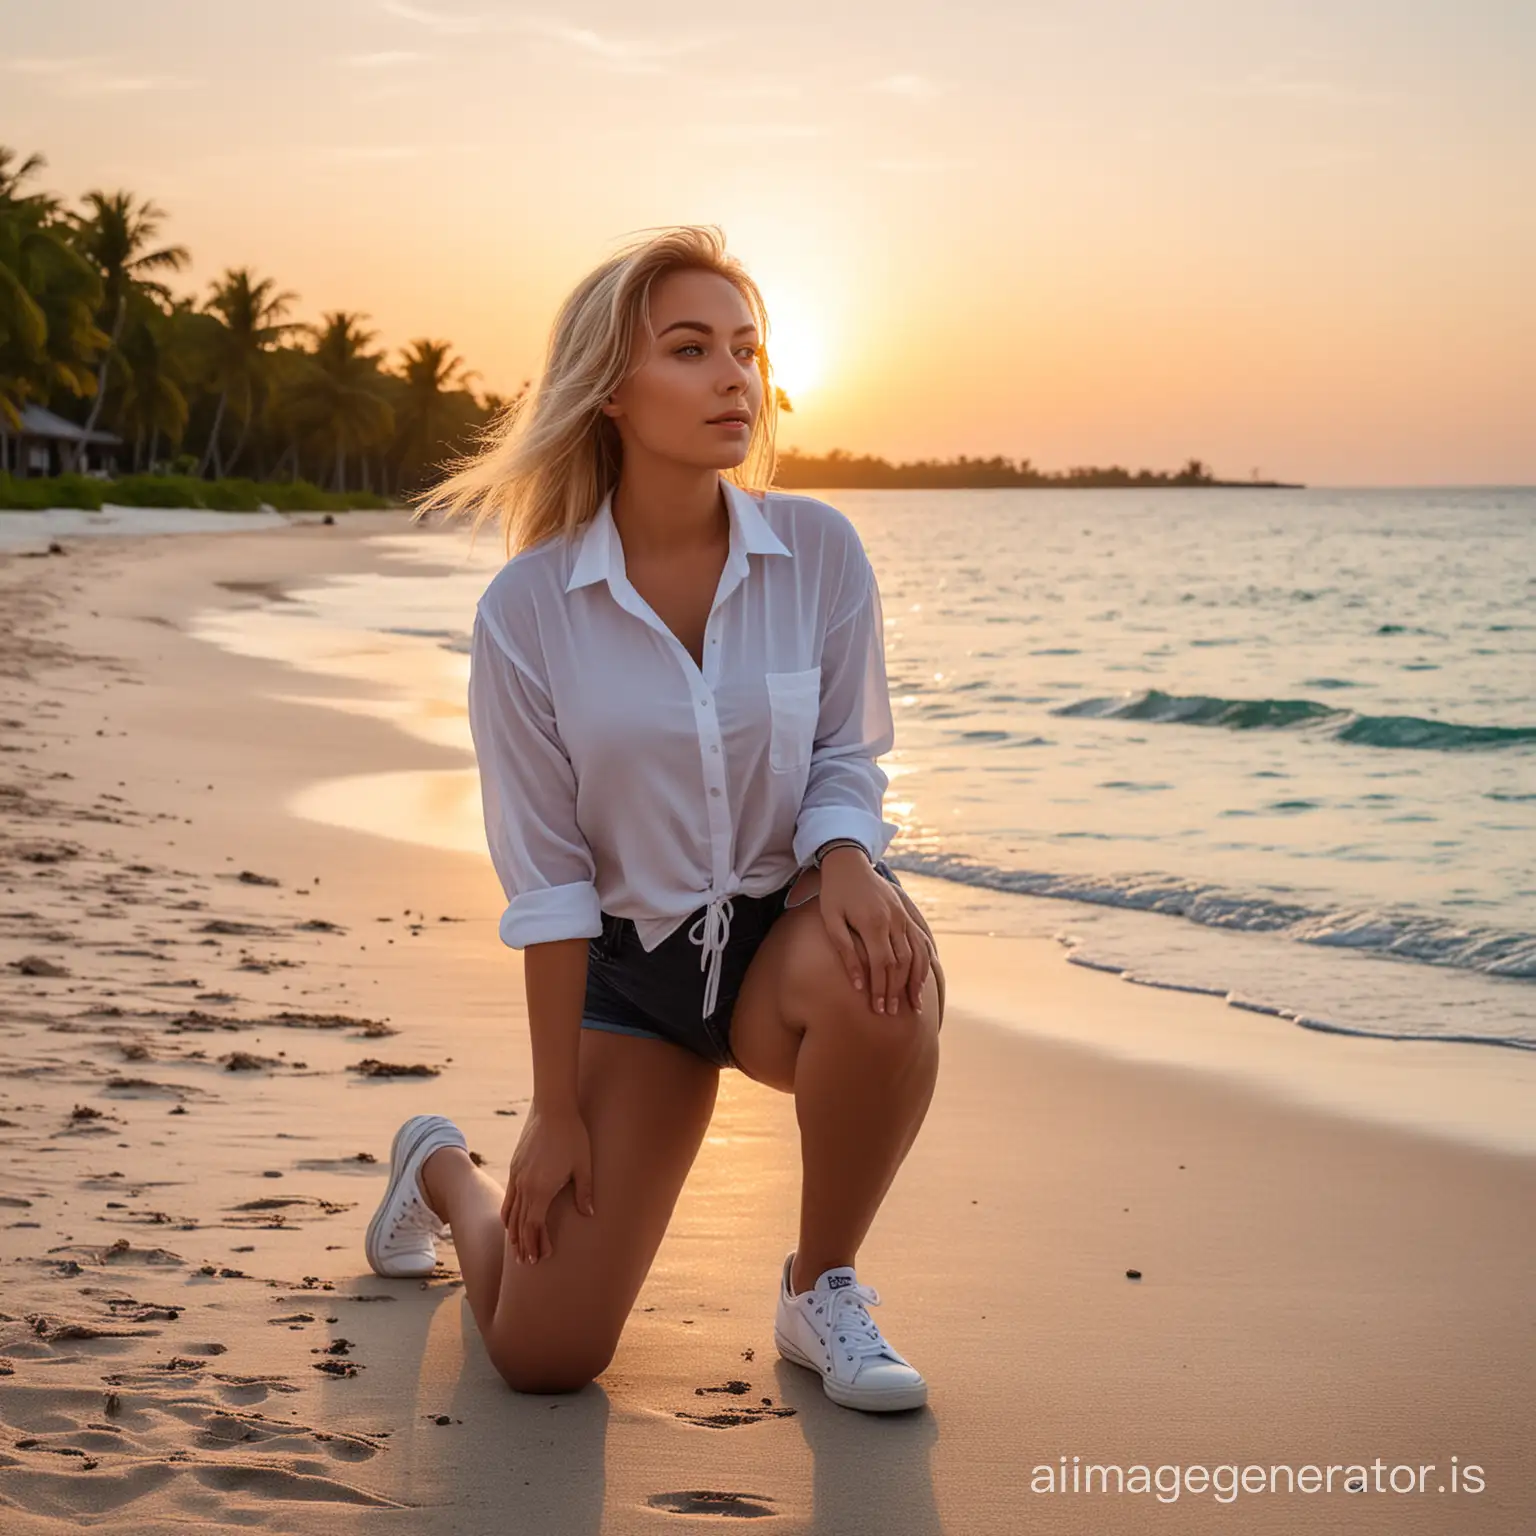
(702, 364)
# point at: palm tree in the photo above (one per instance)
(428, 415)
(493, 403)
(85, 310)
(12, 176)
(117, 235)
(251, 315)
(339, 398)
(49, 296)
(152, 360)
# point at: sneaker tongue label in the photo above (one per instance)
(838, 1278)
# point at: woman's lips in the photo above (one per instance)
(734, 426)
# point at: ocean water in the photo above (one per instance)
(1305, 719)
(1276, 746)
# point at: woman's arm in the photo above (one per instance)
(555, 980)
(528, 789)
(845, 788)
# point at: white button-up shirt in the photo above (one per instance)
(617, 776)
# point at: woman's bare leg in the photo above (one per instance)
(862, 1081)
(469, 1200)
(554, 1325)
(863, 1084)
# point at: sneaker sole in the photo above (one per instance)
(891, 1400)
(397, 1166)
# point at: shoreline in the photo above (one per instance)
(1313, 1287)
(1447, 1088)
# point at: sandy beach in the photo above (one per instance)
(215, 1013)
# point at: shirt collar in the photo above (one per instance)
(600, 551)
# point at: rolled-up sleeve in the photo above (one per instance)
(528, 790)
(846, 787)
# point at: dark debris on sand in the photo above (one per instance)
(119, 938)
(371, 1067)
(338, 1367)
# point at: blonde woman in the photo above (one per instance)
(677, 696)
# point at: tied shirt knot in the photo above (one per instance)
(712, 933)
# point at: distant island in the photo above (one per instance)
(845, 471)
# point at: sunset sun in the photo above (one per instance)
(795, 343)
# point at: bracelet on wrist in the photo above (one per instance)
(838, 842)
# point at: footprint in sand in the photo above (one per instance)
(365, 1162)
(242, 1391)
(148, 1088)
(710, 1501)
(735, 1418)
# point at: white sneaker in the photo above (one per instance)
(828, 1330)
(401, 1238)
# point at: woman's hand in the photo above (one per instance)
(863, 911)
(553, 1150)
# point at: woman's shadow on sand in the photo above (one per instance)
(868, 1470)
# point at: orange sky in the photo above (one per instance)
(1292, 238)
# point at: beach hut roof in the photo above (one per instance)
(37, 422)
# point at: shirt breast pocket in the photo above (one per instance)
(794, 704)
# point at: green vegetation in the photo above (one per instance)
(839, 469)
(204, 393)
(39, 492)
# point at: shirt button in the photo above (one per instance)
(714, 749)
(714, 791)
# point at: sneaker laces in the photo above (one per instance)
(848, 1321)
(417, 1217)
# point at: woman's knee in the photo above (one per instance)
(529, 1359)
(825, 997)
(894, 1036)
(538, 1369)
(817, 987)
(901, 1034)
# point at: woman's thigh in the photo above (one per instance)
(646, 1105)
(796, 961)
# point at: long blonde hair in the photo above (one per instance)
(544, 465)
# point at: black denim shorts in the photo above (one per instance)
(660, 995)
